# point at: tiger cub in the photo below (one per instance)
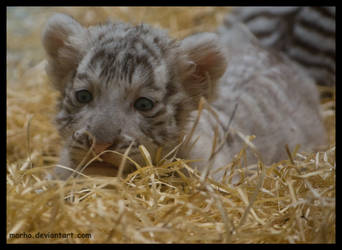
(122, 86)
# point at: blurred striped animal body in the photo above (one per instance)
(305, 34)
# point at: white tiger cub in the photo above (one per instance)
(122, 86)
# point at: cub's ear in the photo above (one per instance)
(64, 41)
(205, 62)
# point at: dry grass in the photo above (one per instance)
(292, 201)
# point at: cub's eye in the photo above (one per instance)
(84, 96)
(143, 104)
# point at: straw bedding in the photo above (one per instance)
(292, 201)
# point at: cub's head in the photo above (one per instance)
(121, 83)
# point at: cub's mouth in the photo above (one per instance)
(97, 168)
(107, 163)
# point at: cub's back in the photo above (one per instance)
(276, 100)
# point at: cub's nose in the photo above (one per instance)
(82, 137)
(85, 138)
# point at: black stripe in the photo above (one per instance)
(112, 69)
(128, 67)
(171, 89)
(108, 68)
(62, 126)
(108, 41)
(148, 133)
(268, 13)
(312, 49)
(163, 134)
(101, 36)
(83, 76)
(68, 102)
(148, 49)
(180, 111)
(252, 16)
(314, 27)
(143, 60)
(159, 123)
(67, 109)
(262, 35)
(324, 11)
(158, 113)
(99, 54)
(306, 62)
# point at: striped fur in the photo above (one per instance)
(305, 34)
(119, 63)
